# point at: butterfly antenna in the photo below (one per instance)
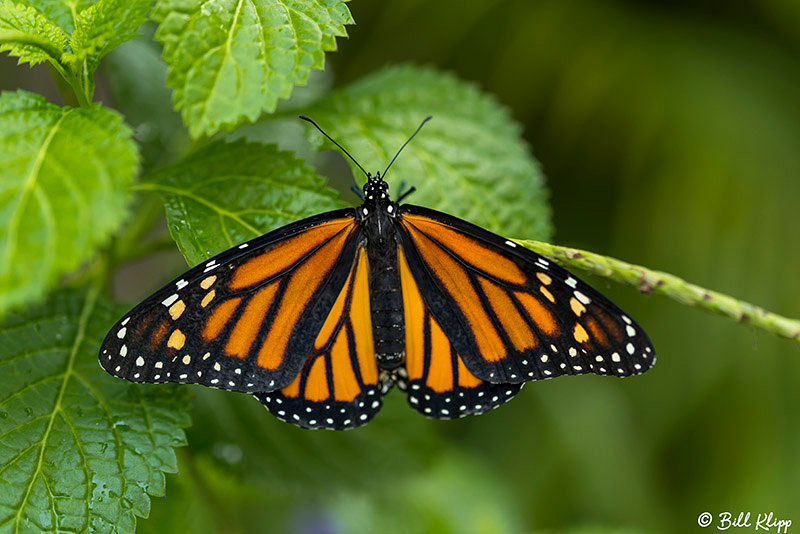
(337, 144)
(429, 117)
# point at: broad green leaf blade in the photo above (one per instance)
(232, 59)
(105, 25)
(64, 189)
(80, 451)
(61, 12)
(231, 192)
(470, 160)
(27, 34)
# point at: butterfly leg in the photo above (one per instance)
(357, 191)
(405, 194)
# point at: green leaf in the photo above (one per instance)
(79, 450)
(230, 60)
(61, 12)
(229, 193)
(470, 160)
(27, 34)
(105, 25)
(64, 189)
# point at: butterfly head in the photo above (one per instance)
(376, 189)
(376, 198)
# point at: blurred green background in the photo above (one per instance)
(669, 133)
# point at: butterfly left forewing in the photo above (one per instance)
(339, 386)
(511, 314)
(240, 320)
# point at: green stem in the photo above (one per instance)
(649, 281)
(84, 99)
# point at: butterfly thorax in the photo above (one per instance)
(386, 300)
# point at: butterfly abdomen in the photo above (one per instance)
(386, 300)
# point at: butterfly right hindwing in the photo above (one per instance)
(438, 383)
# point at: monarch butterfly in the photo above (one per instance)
(320, 318)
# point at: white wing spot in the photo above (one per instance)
(583, 298)
(217, 367)
(123, 350)
(243, 245)
(544, 358)
(187, 359)
(121, 333)
(627, 319)
(139, 361)
(159, 365)
(180, 284)
(169, 301)
(123, 323)
(206, 356)
(615, 357)
(573, 352)
(511, 244)
(629, 348)
(571, 282)
(630, 330)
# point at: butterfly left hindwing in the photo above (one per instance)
(339, 385)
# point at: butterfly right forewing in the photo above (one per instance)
(512, 315)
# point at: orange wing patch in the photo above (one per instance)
(280, 257)
(438, 383)
(304, 280)
(480, 256)
(339, 385)
(459, 286)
